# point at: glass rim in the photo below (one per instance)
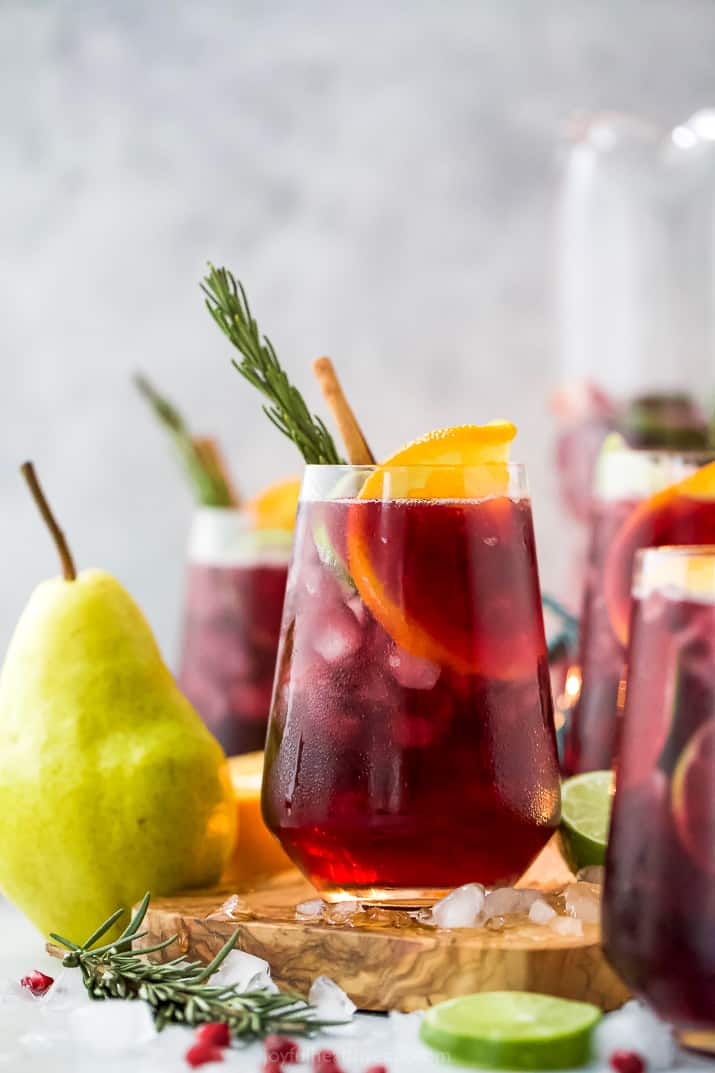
(372, 467)
(685, 571)
(624, 472)
(218, 508)
(438, 482)
(687, 453)
(683, 551)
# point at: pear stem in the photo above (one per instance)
(68, 568)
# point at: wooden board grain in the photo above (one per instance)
(388, 960)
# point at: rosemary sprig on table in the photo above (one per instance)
(208, 484)
(180, 991)
(227, 303)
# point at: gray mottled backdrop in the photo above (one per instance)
(383, 178)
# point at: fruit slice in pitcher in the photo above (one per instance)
(417, 562)
(694, 798)
(683, 513)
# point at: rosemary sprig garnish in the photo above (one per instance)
(208, 483)
(227, 303)
(180, 991)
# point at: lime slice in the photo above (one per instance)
(586, 802)
(330, 558)
(346, 488)
(512, 1030)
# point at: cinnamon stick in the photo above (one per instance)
(356, 446)
(210, 454)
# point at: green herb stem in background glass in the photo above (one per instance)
(180, 991)
(207, 483)
(227, 303)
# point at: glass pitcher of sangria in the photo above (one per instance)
(659, 896)
(636, 316)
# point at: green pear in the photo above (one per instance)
(110, 784)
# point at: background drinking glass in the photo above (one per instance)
(411, 743)
(624, 478)
(659, 899)
(234, 599)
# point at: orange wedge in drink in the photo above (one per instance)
(414, 471)
(468, 462)
(693, 794)
(683, 513)
(257, 853)
(275, 506)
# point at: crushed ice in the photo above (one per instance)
(228, 910)
(310, 910)
(338, 636)
(635, 1026)
(413, 672)
(583, 901)
(245, 972)
(566, 926)
(471, 906)
(506, 901)
(460, 908)
(541, 912)
(592, 873)
(330, 1001)
(112, 1027)
(341, 912)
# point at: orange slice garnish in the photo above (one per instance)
(399, 562)
(459, 450)
(669, 517)
(275, 506)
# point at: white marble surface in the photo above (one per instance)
(383, 178)
(27, 1044)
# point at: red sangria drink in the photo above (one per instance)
(411, 744)
(234, 601)
(641, 499)
(659, 898)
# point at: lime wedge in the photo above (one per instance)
(586, 802)
(512, 1030)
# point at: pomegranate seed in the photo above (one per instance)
(626, 1062)
(214, 1034)
(201, 1053)
(281, 1049)
(325, 1062)
(37, 982)
(376, 1069)
(272, 1067)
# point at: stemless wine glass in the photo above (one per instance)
(234, 600)
(659, 897)
(625, 477)
(411, 744)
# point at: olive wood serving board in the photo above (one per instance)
(394, 963)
